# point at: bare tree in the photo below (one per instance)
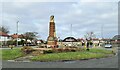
(4, 29)
(89, 36)
(30, 36)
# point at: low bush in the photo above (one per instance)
(73, 50)
(57, 50)
(60, 50)
(10, 42)
(27, 49)
(67, 50)
(47, 51)
(41, 46)
(37, 52)
(72, 47)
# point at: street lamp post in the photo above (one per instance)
(102, 31)
(17, 33)
(71, 36)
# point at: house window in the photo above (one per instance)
(8, 37)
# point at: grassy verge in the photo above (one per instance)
(0, 54)
(10, 54)
(93, 53)
(98, 50)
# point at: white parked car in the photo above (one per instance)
(108, 46)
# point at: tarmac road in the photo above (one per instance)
(110, 62)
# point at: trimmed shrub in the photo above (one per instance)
(47, 51)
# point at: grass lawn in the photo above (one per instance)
(9, 54)
(98, 50)
(93, 53)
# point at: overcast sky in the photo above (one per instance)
(84, 15)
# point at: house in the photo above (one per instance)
(115, 39)
(4, 37)
(15, 36)
(21, 38)
(106, 40)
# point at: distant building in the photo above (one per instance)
(116, 39)
(4, 36)
(69, 42)
(96, 40)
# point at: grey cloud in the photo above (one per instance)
(34, 16)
